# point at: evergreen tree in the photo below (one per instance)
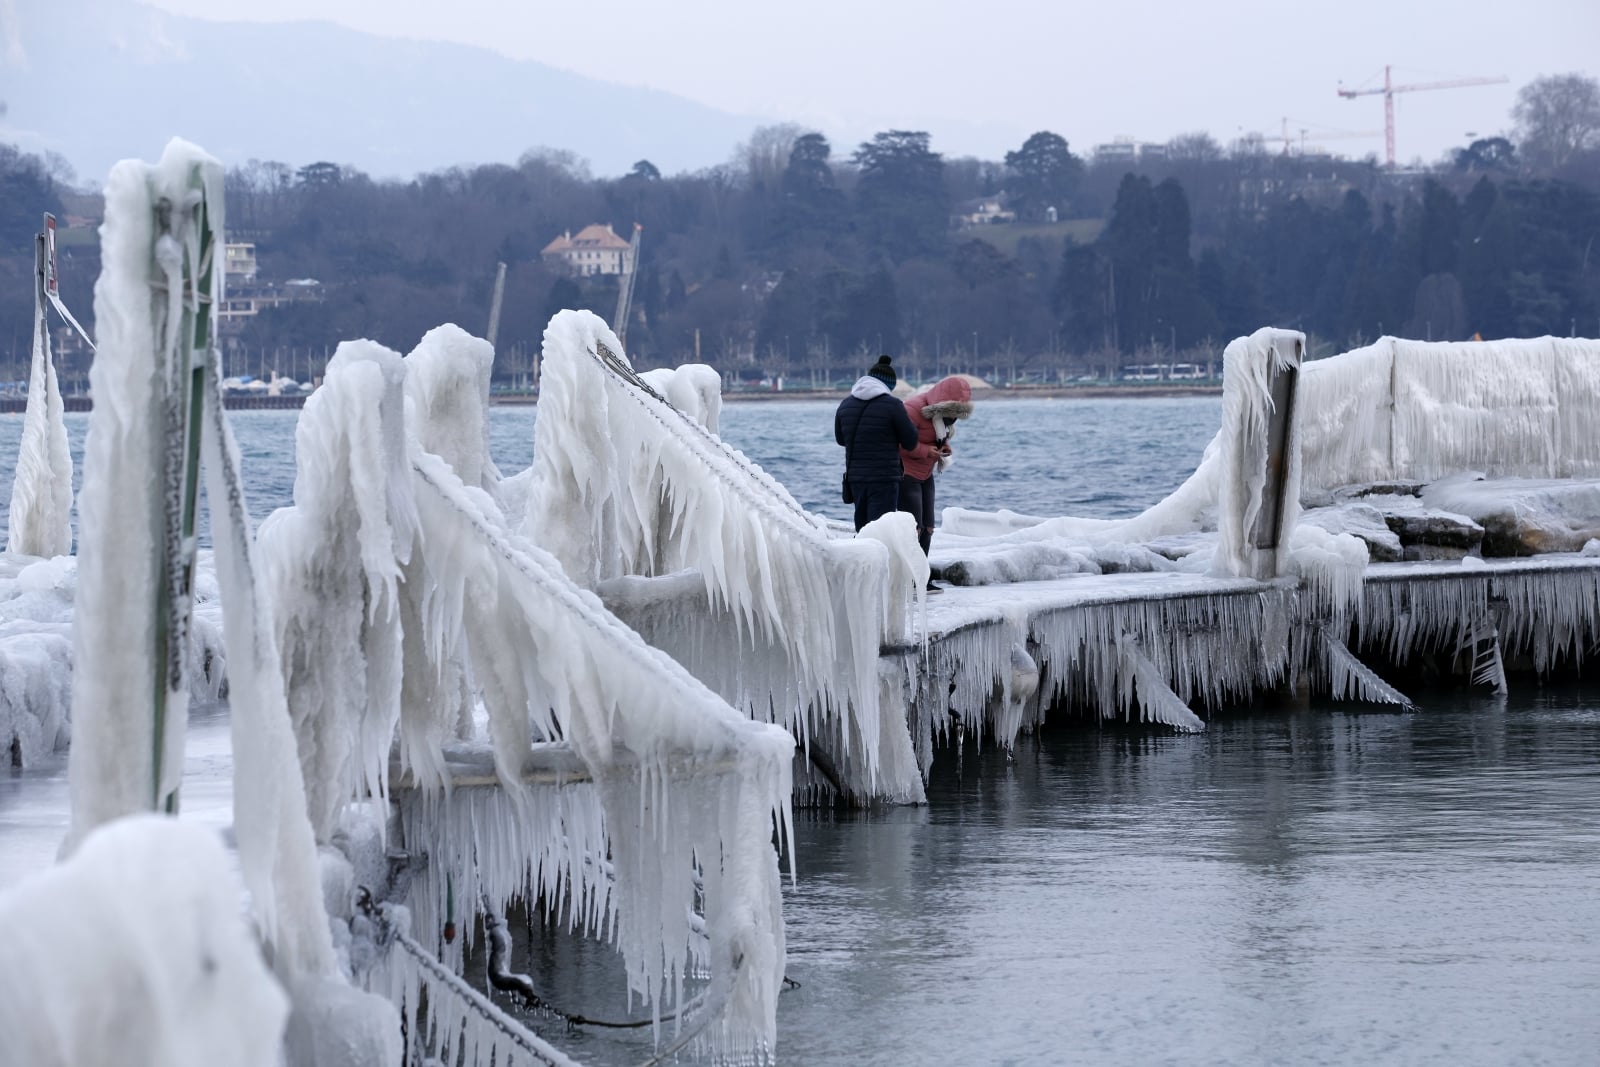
(900, 197)
(1043, 174)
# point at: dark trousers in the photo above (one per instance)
(917, 498)
(874, 499)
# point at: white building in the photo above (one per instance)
(596, 249)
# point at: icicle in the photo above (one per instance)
(41, 491)
(1142, 682)
(1350, 679)
(1480, 643)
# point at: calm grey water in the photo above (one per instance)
(1296, 885)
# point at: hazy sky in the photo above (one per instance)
(982, 75)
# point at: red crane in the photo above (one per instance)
(1389, 89)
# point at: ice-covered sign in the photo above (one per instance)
(51, 281)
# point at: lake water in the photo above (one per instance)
(1323, 885)
(1080, 457)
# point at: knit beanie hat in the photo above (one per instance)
(883, 371)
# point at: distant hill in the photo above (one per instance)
(102, 80)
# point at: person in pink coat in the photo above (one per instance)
(934, 412)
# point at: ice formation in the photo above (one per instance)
(780, 618)
(402, 594)
(334, 563)
(36, 640)
(1245, 492)
(41, 494)
(1394, 410)
(447, 384)
(1421, 410)
(35, 656)
(134, 601)
(693, 388)
(680, 775)
(124, 514)
(134, 953)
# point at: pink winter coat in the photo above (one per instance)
(949, 399)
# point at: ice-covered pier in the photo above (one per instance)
(594, 689)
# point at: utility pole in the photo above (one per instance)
(494, 304)
(630, 269)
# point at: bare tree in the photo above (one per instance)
(1196, 147)
(1557, 116)
(762, 159)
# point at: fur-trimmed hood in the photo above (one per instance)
(948, 398)
(934, 412)
(948, 410)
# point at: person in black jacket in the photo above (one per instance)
(873, 427)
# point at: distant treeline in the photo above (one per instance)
(793, 258)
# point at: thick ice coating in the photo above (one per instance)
(41, 492)
(134, 953)
(403, 599)
(628, 487)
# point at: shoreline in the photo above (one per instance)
(1045, 392)
(16, 405)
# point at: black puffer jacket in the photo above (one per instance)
(883, 431)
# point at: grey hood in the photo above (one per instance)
(867, 387)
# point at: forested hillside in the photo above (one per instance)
(801, 258)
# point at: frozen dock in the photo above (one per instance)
(1002, 657)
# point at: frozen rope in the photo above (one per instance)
(706, 1010)
(61, 309)
(520, 985)
(523, 1038)
(517, 1034)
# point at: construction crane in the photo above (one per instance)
(1389, 89)
(630, 268)
(1334, 135)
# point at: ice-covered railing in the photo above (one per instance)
(35, 652)
(777, 616)
(672, 813)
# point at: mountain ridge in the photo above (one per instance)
(305, 91)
